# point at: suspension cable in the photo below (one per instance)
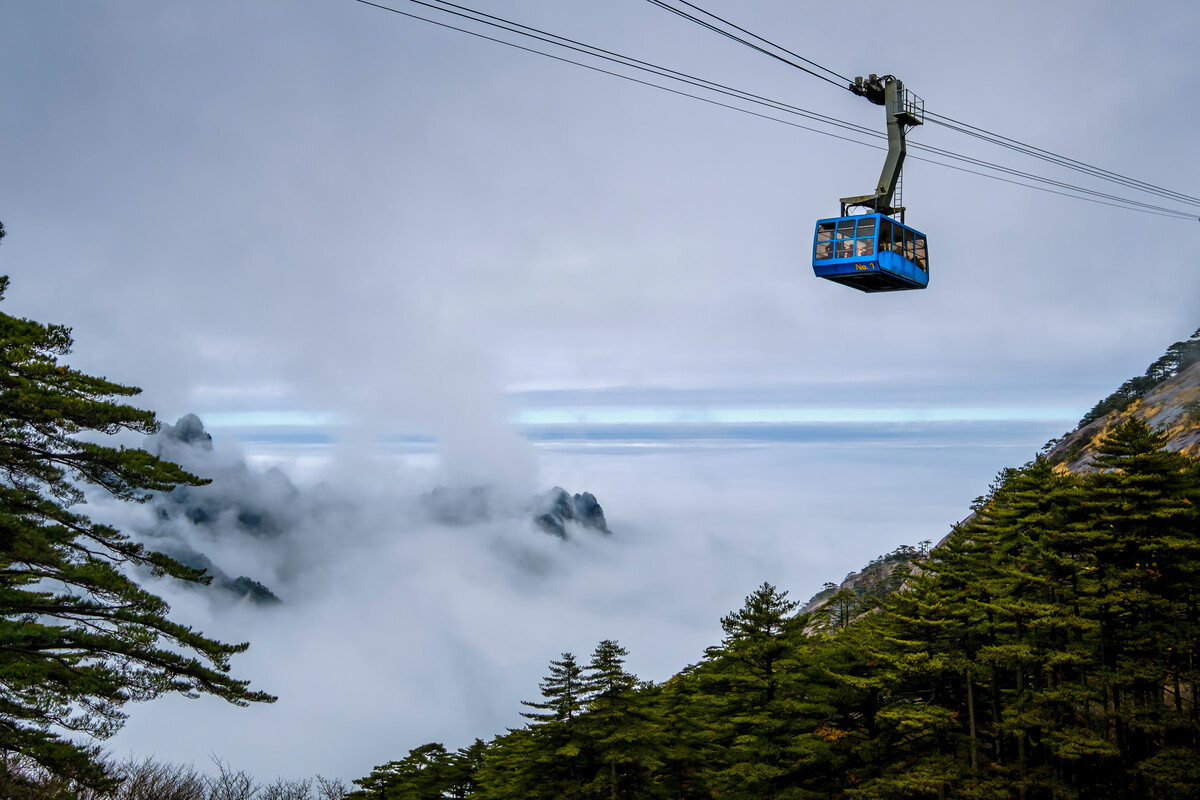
(752, 46)
(1054, 158)
(509, 26)
(948, 122)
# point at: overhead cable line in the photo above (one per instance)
(947, 122)
(635, 63)
(509, 26)
(766, 41)
(645, 66)
(1070, 163)
(1048, 181)
(1120, 205)
(751, 45)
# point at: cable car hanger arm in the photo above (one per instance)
(904, 110)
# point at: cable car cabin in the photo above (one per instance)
(871, 252)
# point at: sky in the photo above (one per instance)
(381, 256)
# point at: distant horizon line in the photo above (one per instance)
(574, 416)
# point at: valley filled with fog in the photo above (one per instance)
(394, 620)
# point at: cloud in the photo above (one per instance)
(398, 596)
(261, 537)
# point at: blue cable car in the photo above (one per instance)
(875, 251)
(871, 253)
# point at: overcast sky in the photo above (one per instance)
(320, 216)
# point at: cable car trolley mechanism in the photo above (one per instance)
(875, 251)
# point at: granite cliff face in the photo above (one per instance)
(562, 508)
(1171, 407)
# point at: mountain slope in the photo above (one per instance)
(1171, 406)
(1166, 397)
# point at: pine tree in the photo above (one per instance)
(1039, 651)
(426, 773)
(976, 654)
(679, 716)
(507, 770)
(562, 692)
(555, 763)
(754, 637)
(622, 737)
(1146, 544)
(79, 637)
(1025, 655)
(465, 764)
(767, 704)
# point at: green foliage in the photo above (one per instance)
(621, 733)
(79, 637)
(562, 693)
(557, 752)
(428, 772)
(864, 591)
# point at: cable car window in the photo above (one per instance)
(885, 235)
(909, 247)
(845, 248)
(824, 241)
(921, 256)
(845, 229)
(864, 245)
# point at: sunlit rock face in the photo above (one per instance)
(1171, 407)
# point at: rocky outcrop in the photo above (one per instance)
(836, 605)
(241, 587)
(554, 512)
(563, 508)
(243, 509)
(1171, 407)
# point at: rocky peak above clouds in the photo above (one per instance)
(556, 512)
(244, 509)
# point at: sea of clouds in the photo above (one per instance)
(396, 626)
